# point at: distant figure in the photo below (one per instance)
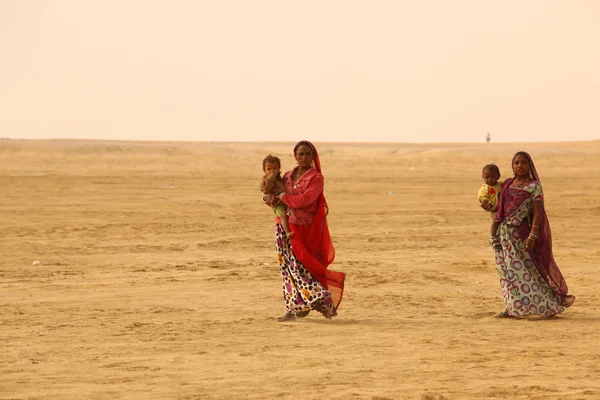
(488, 137)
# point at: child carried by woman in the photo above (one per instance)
(272, 183)
(488, 197)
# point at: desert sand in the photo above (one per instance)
(147, 270)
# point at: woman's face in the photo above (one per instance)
(304, 156)
(521, 166)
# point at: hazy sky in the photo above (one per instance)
(407, 71)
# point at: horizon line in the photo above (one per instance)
(288, 142)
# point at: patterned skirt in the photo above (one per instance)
(301, 291)
(525, 291)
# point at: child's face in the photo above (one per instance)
(490, 177)
(271, 168)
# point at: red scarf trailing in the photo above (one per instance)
(312, 245)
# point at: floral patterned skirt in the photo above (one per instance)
(301, 291)
(525, 291)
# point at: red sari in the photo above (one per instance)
(311, 242)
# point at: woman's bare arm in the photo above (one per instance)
(538, 208)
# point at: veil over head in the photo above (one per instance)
(316, 163)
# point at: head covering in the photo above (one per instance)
(316, 164)
(312, 243)
(532, 170)
(532, 173)
(541, 254)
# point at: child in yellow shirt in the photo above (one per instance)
(488, 195)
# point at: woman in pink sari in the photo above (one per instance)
(303, 260)
(530, 280)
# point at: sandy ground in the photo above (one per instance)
(157, 276)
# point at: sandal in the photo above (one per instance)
(288, 316)
(302, 314)
(503, 314)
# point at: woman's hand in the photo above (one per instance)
(529, 244)
(271, 200)
(268, 199)
(486, 205)
(275, 202)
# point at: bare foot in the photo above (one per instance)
(570, 299)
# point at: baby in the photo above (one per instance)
(488, 196)
(273, 184)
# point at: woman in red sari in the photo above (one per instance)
(307, 282)
(530, 280)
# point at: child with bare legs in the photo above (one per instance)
(273, 184)
(488, 198)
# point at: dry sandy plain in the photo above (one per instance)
(157, 276)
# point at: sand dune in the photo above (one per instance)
(157, 276)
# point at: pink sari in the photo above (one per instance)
(531, 282)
